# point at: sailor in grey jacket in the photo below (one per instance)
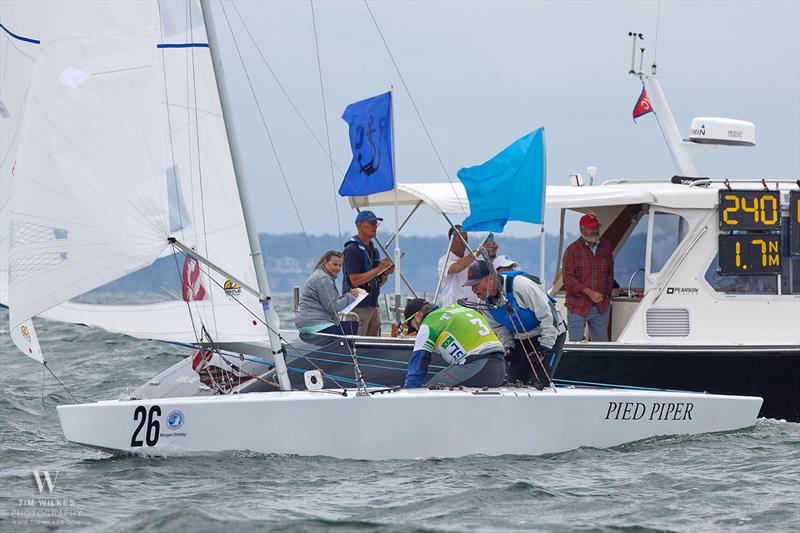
(319, 299)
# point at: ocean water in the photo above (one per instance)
(746, 480)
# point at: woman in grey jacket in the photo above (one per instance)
(319, 298)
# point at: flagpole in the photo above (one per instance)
(544, 208)
(397, 311)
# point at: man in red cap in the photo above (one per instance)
(588, 273)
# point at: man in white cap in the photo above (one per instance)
(503, 263)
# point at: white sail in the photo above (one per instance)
(19, 48)
(203, 208)
(88, 199)
(25, 338)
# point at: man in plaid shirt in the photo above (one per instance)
(588, 273)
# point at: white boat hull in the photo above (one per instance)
(403, 424)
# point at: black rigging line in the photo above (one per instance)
(325, 114)
(59, 382)
(414, 105)
(199, 162)
(266, 129)
(284, 91)
(278, 333)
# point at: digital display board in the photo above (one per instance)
(750, 253)
(794, 223)
(749, 210)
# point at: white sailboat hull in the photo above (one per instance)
(403, 424)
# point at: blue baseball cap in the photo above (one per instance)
(369, 216)
(477, 271)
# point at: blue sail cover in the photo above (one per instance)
(370, 124)
(509, 186)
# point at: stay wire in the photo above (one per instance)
(284, 91)
(658, 25)
(199, 163)
(414, 105)
(325, 114)
(266, 129)
(44, 363)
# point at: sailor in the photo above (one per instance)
(452, 266)
(503, 263)
(363, 268)
(320, 302)
(526, 320)
(462, 337)
(588, 273)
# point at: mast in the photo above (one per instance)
(273, 324)
(669, 129)
(666, 122)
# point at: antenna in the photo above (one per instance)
(633, 50)
(641, 60)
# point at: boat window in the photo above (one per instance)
(761, 284)
(738, 284)
(790, 277)
(669, 230)
(630, 258)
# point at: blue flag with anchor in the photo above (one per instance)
(370, 124)
(509, 186)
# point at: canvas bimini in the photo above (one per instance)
(106, 180)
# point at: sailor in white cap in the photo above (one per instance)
(503, 263)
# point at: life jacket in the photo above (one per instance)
(520, 319)
(373, 283)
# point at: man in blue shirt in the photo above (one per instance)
(364, 268)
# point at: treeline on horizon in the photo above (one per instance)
(289, 259)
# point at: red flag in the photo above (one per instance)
(191, 286)
(642, 106)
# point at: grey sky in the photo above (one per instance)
(485, 73)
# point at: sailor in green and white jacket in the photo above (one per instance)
(462, 337)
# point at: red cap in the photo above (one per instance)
(589, 221)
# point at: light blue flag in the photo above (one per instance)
(509, 186)
(370, 123)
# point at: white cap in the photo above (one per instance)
(503, 261)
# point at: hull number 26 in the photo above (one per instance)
(153, 426)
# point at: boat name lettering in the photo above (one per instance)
(656, 411)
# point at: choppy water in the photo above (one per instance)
(746, 480)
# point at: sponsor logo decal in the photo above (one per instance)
(175, 419)
(27, 334)
(232, 288)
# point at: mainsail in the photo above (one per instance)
(161, 164)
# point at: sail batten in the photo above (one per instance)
(88, 158)
(124, 131)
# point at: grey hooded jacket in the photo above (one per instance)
(320, 300)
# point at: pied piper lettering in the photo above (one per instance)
(656, 411)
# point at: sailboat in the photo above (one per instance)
(122, 157)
